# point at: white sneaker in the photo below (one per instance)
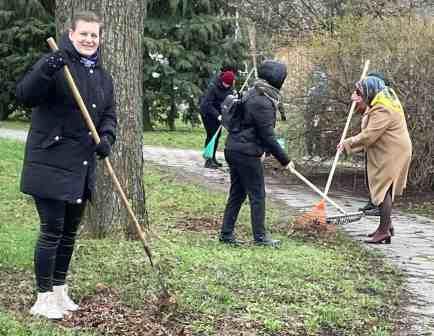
(63, 299)
(46, 305)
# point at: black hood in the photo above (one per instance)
(273, 72)
(66, 45)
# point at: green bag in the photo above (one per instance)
(208, 151)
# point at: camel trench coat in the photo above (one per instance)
(387, 143)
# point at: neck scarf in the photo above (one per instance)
(389, 100)
(269, 91)
(89, 61)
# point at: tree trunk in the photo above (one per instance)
(122, 53)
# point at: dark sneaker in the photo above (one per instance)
(370, 209)
(368, 206)
(372, 212)
(217, 163)
(210, 164)
(230, 241)
(268, 242)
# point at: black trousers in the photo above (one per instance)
(211, 125)
(247, 179)
(54, 247)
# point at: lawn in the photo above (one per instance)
(310, 286)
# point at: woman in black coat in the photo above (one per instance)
(210, 110)
(245, 148)
(59, 162)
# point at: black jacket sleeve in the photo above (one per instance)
(207, 104)
(264, 117)
(108, 123)
(35, 86)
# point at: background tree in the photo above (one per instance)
(185, 42)
(122, 51)
(24, 26)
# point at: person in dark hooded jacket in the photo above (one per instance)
(210, 110)
(245, 148)
(59, 161)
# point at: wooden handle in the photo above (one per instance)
(85, 113)
(247, 79)
(344, 133)
(314, 188)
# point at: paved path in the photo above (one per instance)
(412, 249)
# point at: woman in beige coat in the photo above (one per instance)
(387, 143)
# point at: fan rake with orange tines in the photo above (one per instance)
(317, 215)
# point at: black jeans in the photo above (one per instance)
(247, 179)
(54, 247)
(211, 125)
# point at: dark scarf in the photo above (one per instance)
(262, 86)
(89, 61)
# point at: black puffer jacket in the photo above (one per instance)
(211, 102)
(259, 118)
(59, 161)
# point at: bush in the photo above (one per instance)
(22, 42)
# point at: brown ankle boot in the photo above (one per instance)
(372, 234)
(379, 238)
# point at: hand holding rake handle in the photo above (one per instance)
(314, 188)
(96, 138)
(344, 134)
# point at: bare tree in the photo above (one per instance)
(122, 53)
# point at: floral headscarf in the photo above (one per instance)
(375, 92)
(370, 87)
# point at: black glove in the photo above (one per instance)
(103, 149)
(53, 62)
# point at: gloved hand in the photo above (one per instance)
(103, 149)
(53, 62)
(290, 166)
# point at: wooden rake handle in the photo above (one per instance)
(247, 79)
(344, 133)
(314, 188)
(85, 113)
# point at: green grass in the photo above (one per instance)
(16, 124)
(11, 326)
(184, 137)
(307, 287)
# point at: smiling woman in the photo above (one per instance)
(60, 161)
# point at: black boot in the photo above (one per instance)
(267, 241)
(217, 163)
(210, 164)
(230, 240)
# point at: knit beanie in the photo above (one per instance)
(227, 77)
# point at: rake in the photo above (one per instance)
(319, 215)
(208, 151)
